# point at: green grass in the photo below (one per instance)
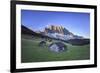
(31, 52)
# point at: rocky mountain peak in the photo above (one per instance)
(56, 29)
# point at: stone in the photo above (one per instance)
(42, 43)
(57, 47)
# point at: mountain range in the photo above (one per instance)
(59, 32)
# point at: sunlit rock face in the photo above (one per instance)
(57, 29)
(60, 32)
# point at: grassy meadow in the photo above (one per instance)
(32, 52)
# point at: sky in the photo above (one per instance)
(75, 22)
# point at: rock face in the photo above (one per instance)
(57, 29)
(57, 47)
(60, 32)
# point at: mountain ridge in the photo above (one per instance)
(25, 30)
(60, 32)
(57, 29)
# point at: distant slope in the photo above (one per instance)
(79, 41)
(27, 31)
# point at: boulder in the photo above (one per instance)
(57, 47)
(42, 43)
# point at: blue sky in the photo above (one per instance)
(77, 23)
